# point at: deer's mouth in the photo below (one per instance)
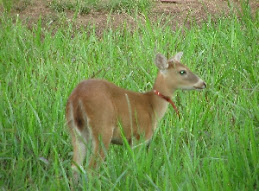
(198, 88)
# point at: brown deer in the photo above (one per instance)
(100, 113)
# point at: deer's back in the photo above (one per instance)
(102, 99)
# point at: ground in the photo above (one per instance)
(180, 11)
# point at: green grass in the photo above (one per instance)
(18, 5)
(85, 6)
(214, 146)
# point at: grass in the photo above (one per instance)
(85, 6)
(214, 146)
(18, 5)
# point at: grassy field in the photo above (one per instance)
(214, 146)
(85, 6)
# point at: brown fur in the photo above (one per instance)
(96, 109)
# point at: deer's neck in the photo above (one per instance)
(160, 105)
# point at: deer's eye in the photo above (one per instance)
(182, 72)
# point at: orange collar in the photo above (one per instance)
(168, 99)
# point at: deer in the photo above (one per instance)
(100, 113)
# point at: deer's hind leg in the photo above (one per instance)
(80, 134)
(80, 141)
(102, 133)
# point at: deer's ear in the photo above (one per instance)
(177, 57)
(161, 62)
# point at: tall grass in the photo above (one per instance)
(214, 146)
